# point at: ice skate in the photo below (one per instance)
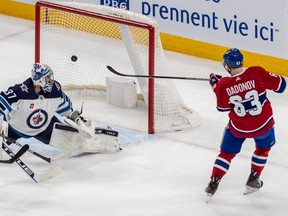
(212, 187)
(253, 183)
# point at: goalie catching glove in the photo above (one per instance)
(80, 134)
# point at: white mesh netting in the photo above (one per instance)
(99, 42)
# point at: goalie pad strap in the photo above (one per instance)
(106, 131)
(66, 128)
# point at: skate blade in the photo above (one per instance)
(208, 198)
(250, 190)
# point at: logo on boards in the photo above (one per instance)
(122, 4)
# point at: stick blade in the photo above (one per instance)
(49, 174)
(111, 69)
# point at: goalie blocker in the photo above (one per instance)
(81, 135)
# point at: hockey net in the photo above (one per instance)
(99, 36)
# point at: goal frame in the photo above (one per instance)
(151, 47)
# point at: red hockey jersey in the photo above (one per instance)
(244, 96)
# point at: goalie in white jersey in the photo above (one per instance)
(39, 108)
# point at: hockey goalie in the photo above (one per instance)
(39, 108)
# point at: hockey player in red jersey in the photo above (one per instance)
(244, 96)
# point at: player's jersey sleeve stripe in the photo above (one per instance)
(3, 114)
(5, 104)
(282, 85)
(64, 98)
(2, 107)
(61, 111)
(223, 109)
(65, 105)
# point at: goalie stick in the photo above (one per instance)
(17, 155)
(41, 177)
(155, 77)
(62, 155)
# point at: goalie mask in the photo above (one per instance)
(42, 75)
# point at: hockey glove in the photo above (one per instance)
(84, 125)
(214, 79)
(76, 117)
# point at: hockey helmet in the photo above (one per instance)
(42, 75)
(232, 58)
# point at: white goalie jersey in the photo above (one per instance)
(29, 113)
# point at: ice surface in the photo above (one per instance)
(154, 175)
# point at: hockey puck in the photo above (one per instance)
(74, 58)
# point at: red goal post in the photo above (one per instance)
(83, 23)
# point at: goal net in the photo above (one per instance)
(78, 41)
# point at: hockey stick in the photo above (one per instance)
(17, 155)
(49, 174)
(62, 155)
(155, 77)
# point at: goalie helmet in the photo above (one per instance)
(42, 75)
(232, 59)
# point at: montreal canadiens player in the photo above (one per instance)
(39, 108)
(244, 96)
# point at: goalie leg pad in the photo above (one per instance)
(82, 129)
(69, 138)
(107, 140)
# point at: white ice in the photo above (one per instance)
(159, 175)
